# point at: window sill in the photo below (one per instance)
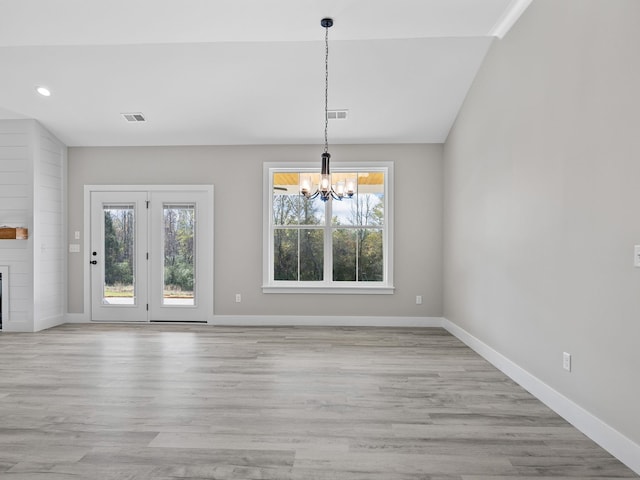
(330, 290)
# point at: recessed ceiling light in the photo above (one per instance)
(44, 91)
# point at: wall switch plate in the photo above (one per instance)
(636, 256)
(418, 299)
(76, 235)
(238, 298)
(566, 361)
(74, 248)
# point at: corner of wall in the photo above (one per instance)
(620, 446)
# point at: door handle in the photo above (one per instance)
(93, 262)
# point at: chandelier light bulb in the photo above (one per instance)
(325, 183)
(305, 186)
(350, 186)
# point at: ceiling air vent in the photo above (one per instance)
(133, 117)
(337, 114)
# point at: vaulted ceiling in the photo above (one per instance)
(212, 72)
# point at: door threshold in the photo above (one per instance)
(199, 322)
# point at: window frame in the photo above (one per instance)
(328, 285)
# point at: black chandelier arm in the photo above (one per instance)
(324, 196)
(311, 196)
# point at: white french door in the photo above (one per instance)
(181, 257)
(151, 255)
(119, 231)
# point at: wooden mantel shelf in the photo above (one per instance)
(11, 233)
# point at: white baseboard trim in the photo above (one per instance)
(320, 321)
(617, 444)
(50, 322)
(302, 320)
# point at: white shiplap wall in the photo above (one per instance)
(49, 255)
(32, 183)
(16, 209)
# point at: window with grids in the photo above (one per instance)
(338, 244)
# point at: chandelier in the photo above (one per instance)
(326, 189)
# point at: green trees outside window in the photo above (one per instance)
(349, 232)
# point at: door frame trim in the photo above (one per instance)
(86, 231)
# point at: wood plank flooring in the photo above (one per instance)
(197, 402)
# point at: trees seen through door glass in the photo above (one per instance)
(119, 255)
(179, 254)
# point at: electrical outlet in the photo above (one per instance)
(566, 361)
(418, 299)
(238, 298)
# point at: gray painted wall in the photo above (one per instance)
(541, 203)
(236, 173)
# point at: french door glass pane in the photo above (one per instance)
(179, 254)
(119, 259)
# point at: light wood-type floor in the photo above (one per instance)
(181, 401)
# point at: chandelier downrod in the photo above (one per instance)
(326, 23)
(326, 189)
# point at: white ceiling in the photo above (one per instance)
(211, 72)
